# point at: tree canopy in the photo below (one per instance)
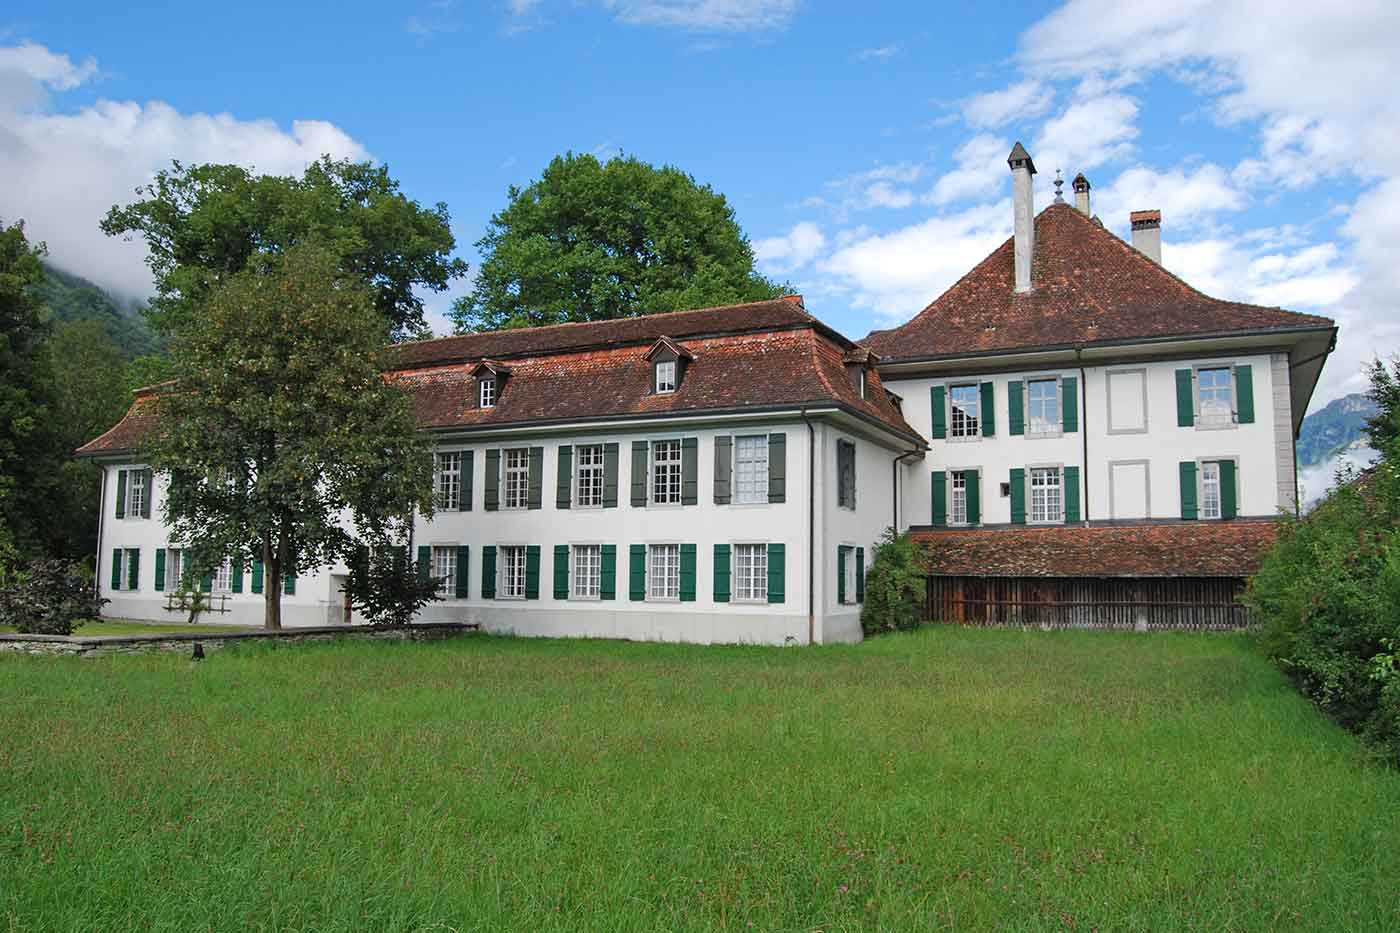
(593, 241)
(205, 223)
(280, 424)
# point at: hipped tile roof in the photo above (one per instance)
(1146, 549)
(1087, 286)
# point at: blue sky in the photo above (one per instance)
(862, 146)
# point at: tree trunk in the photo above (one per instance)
(272, 585)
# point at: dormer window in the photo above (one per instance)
(488, 392)
(490, 376)
(665, 377)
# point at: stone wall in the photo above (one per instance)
(184, 642)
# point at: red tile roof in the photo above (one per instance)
(746, 357)
(1145, 549)
(1087, 286)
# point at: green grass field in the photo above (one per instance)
(948, 779)
(117, 627)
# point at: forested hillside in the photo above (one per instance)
(73, 298)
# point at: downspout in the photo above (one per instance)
(811, 528)
(97, 558)
(1084, 425)
(899, 458)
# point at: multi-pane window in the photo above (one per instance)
(845, 474)
(517, 477)
(512, 564)
(666, 376)
(959, 498)
(1045, 494)
(1216, 396)
(445, 569)
(1043, 406)
(751, 469)
(488, 392)
(122, 573)
(1210, 490)
(751, 572)
(588, 571)
(850, 574)
(448, 476)
(664, 571)
(222, 577)
(966, 405)
(136, 493)
(588, 460)
(666, 472)
(174, 568)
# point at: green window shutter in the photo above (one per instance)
(160, 569)
(722, 573)
(724, 466)
(117, 569)
(1229, 506)
(973, 478)
(1188, 489)
(610, 476)
(133, 568)
(1069, 404)
(257, 576)
(860, 574)
(1071, 493)
(536, 477)
(121, 494)
(488, 571)
(289, 581)
(1185, 401)
(1016, 407)
(690, 471)
(777, 468)
(561, 571)
(151, 485)
(532, 571)
(563, 487)
(206, 583)
(639, 474)
(425, 563)
(464, 563)
(464, 504)
(637, 572)
(607, 582)
(989, 410)
(840, 574)
(940, 416)
(1244, 394)
(777, 573)
(235, 577)
(1018, 496)
(687, 573)
(493, 480)
(939, 497)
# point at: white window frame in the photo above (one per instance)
(663, 579)
(1203, 487)
(1050, 429)
(122, 573)
(136, 493)
(486, 392)
(510, 571)
(750, 574)
(221, 579)
(954, 413)
(850, 574)
(1142, 389)
(444, 566)
(665, 377)
(957, 497)
(447, 479)
(515, 478)
(840, 485)
(1220, 419)
(174, 568)
(589, 478)
(672, 481)
(586, 571)
(1056, 517)
(756, 491)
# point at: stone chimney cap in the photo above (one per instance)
(1080, 183)
(1145, 220)
(1018, 156)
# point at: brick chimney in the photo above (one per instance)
(1023, 213)
(1147, 234)
(1081, 194)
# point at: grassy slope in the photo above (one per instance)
(949, 778)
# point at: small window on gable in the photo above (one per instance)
(488, 392)
(665, 377)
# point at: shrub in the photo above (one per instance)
(894, 586)
(48, 597)
(389, 589)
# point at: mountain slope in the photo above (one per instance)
(1330, 439)
(73, 298)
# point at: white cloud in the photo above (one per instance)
(981, 171)
(706, 15)
(884, 186)
(791, 251)
(64, 169)
(1021, 101)
(1086, 134)
(881, 53)
(1186, 197)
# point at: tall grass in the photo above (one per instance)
(949, 778)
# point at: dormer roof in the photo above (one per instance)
(666, 345)
(490, 368)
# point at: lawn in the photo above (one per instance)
(108, 627)
(950, 778)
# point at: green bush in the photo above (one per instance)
(48, 597)
(894, 586)
(389, 589)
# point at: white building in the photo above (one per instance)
(1073, 432)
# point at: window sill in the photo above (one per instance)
(1042, 435)
(662, 599)
(1222, 426)
(665, 505)
(576, 598)
(964, 439)
(751, 602)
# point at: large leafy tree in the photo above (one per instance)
(205, 223)
(593, 241)
(280, 423)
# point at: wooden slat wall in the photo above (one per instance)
(1190, 603)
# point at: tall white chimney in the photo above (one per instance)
(1081, 194)
(1147, 234)
(1023, 213)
